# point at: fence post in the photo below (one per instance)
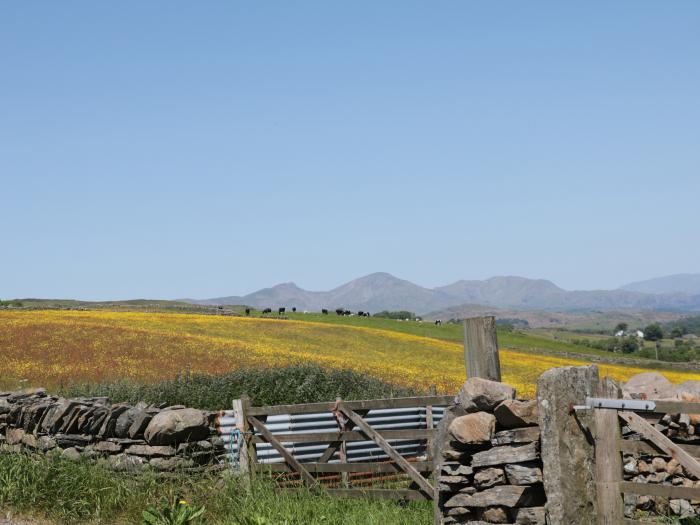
(249, 455)
(481, 348)
(429, 424)
(608, 463)
(343, 450)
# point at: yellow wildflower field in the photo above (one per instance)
(54, 347)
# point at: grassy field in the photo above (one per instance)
(55, 347)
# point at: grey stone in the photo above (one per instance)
(506, 454)
(45, 443)
(151, 450)
(507, 495)
(489, 477)
(14, 435)
(72, 440)
(457, 469)
(174, 426)
(519, 435)
(681, 508)
(126, 462)
(516, 414)
(568, 456)
(527, 474)
(497, 514)
(108, 446)
(71, 453)
(140, 423)
(174, 463)
(473, 429)
(479, 394)
(530, 516)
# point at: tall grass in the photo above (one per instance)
(80, 492)
(265, 386)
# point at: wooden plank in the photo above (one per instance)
(677, 407)
(369, 468)
(642, 447)
(388, 449)
(308, 479)
(664, 491)
(417, 433)
(638, 424)
(481, 348)
(608, 461)
(334, 446)
(367, 404)
(397, 494)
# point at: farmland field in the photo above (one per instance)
(54, 347)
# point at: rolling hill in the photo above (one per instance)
(383, 291)
(688, 283)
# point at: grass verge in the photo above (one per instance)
(64, 491)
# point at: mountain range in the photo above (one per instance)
(383, 291)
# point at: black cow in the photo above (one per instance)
(366, 314)
(267, 311)
(294, 308)
(280, 311)
(247, 311)
(438, 322)
(324, 311)
(361, 313)
(339, 311)
(347, 312)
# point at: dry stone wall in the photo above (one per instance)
(488, 464)
(122, 436)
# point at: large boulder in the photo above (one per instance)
(473, 429)
(649, 385)
(175, 426)
(479, 394)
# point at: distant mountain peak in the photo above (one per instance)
(687, 283)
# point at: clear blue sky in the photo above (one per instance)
(196, 149)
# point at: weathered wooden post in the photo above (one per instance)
(608, 460)
(246, 444)
(481, 348)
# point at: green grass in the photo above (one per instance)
(80, 492)
(265, 386)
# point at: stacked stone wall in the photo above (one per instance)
(121, 436)
(488, 464)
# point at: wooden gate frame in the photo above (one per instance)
(609, 445)
(253, 429)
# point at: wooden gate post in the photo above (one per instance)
(245, 465)
(481, 348)
(608, 461)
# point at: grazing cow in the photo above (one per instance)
(366, 314)
(339, 311)
(247, 311)
(294, 308)
(438, 322)
(267, 311)
(281, 310)
(220, 307)
(361, 313)
(324, 311)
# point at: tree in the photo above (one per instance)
(629, 345)
(678, 331)
(621, 327)
(653, 332)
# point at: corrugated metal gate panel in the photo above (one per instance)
(379, 419)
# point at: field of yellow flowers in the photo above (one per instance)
(53, 347)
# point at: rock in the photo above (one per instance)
(72, 440)
(524, 474)
(54, 417)
(462, 512)
(496, 515)
(506, 495)
(681, 508)
(174, 463)
(71, 453)
(567, 455)
(643, 467)
(489, 477)
(515, 414)
(479, 394)
(673, 467)
(29, 440)
(520, 435)
(126, 463)
(457, 469)
(125, 420)
(174, 426)
(658, 464)
(45, 443)
(151, 450)
(649, 385)
(108, 446)
(530, 516)
(452, 480)
(630, 467)
(139, 425)
(14, 436)
(473, 429)
(506, 454)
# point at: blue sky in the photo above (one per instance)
(197, 149)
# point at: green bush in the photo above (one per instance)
(265, 386)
